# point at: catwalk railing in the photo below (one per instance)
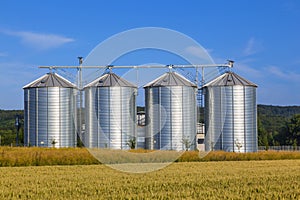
(279, 148)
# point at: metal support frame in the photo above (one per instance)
(135, 66)
(79, 85)
(200, 105)
(110, 67)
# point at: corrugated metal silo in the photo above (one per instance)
(110, 107)
(230, 114)
(170, 113)
(49, 112)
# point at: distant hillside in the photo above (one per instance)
(272, 123)
(282, 111)
(7, 126)
(273, 118)
(275, 125)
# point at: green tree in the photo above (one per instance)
(8, 129)
(262, 134)
(131, 143)
(292, 130)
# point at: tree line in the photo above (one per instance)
(8, 129)
(277, 125)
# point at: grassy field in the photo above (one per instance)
(33, 156)
(278, 179)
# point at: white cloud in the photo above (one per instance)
(249, 71)
(286, 75)
(253, 46)
(39, 40)
(277, 72)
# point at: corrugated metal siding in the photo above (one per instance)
(26, 115)
(141, 130)
(251, 118)
(49, 115)
(230, 118)
(213, 124)
(33, 117)
(150, 101)
(53, 118)
(110, 117)
(227, 120)
(239, 117)
(170, 117)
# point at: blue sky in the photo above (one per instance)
(263, 37)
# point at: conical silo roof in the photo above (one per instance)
(50, 80)
(170, 79)
(110, 80)
(229, 79)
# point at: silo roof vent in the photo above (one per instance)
(110, 80)
(50, 80)
(230, 79)
(170, 79)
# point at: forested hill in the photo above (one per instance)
(277, 125)
(282, 111)
(7, 126)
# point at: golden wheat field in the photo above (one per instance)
(34, 156)
(277, 179)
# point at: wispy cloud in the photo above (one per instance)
(13, 76)
(198, 52)
(290, 7)
(268, 93)
(286, 75)
(296, 62)
(2, 54)
(245, 68)
(253, 46)
(10, 70)
(39, 40)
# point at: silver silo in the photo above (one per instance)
(110, 109)
(170, 113)
(49, 112)
(230, 114)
